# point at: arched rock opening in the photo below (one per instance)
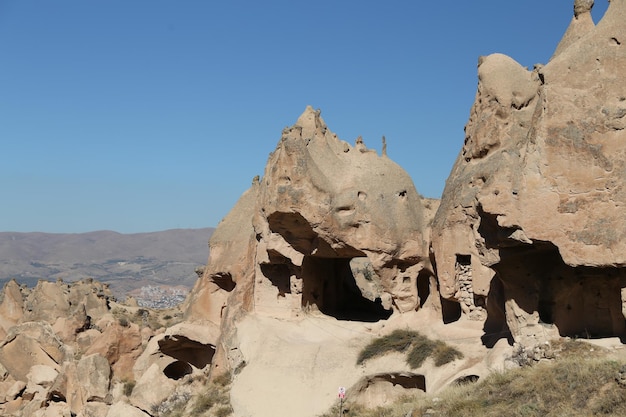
(224, 281)
(177, 369)
(580, 301)
(325, 279)
(187, 350)
(373, 390)
(329, 284)
(423, 286)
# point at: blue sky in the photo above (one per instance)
(148, 115)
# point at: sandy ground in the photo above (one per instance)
(295, 367)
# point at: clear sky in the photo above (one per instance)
(147, 115)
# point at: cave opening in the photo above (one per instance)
(279, 275)
(581, 301)
(450, 310)
(177, 369)
(463, 260)
(423, 286)
(495, 326)
(329, 284)
(465, 380)
(224, 281)
(325, 277)
(187, 350)
(402, 379)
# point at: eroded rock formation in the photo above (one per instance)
(333, 246)
(534, 207)
(70, 349)
(330, 227)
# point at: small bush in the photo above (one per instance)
(421, 348)
(444, 354)
(419, 353)
(128, 387)
(222, 380)
(211, 397)
(123, 321)
(223, 411)
(396, 341)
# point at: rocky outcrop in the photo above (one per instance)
(330, 227)
(532, 215)
(334, 247)
(66, 351)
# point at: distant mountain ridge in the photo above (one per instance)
(125, 261)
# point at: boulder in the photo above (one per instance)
(120, 345)
(93, 377)
(92, 409)
(43, 375)
(11, 306)
(28, 344)
(15, 390)
(59, 409)
(152, 389)
(79, 382)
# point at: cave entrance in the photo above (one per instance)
(496, 327)
(579, 301)
(329, 284)
(423, 286)
(373, 390)
(326, 277)
(187, 350)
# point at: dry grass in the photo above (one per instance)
(581, 382)
(215, 400)
(568, 387)
(421, 348)
(397, 341)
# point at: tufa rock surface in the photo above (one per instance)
(532, 216)
(330, 228)
(334, 248)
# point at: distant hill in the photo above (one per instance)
(126, 261)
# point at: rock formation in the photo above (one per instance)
(70, 349)
(533, 212)
(334, 247)
(330, 228)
